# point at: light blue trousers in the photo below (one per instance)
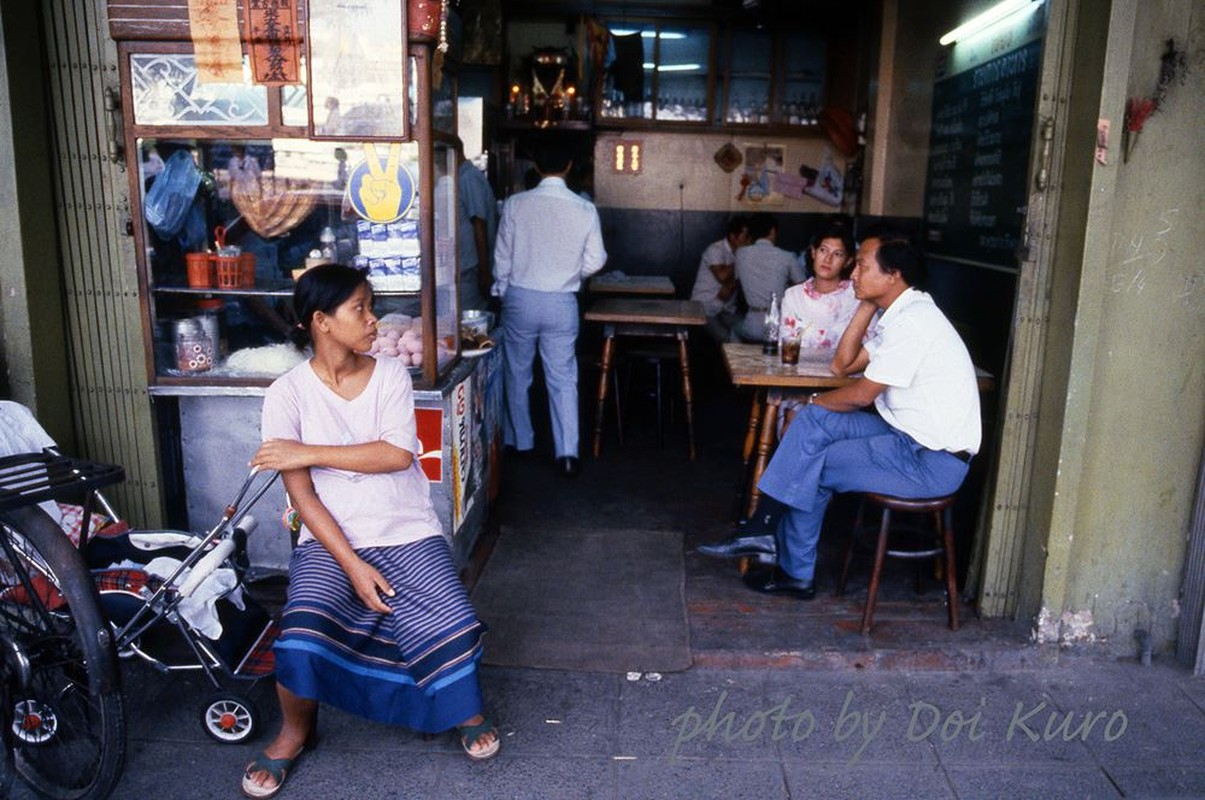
(548, 320)
(825, 452)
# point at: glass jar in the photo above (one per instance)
(194, 348)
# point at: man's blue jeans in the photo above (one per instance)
(827, 451)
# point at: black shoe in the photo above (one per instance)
(568, 466)
(776, 581)
(740, 545)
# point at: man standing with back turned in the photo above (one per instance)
(919, 376)
(549, 239)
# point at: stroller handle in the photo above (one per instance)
(205, 567)
(232, 513)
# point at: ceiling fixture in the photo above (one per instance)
(648, 34)
(993, 15)
(649, 66)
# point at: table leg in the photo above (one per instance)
(604, 373)
(755, 408)
(757, 397)
(686, 392)
(765, 444)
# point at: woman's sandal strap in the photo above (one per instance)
(474, 732)
(278, 768)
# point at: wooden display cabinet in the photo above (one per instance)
(282, 199)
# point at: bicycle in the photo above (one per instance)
(67, 617)
(64, 719)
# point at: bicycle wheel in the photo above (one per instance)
(67, 719)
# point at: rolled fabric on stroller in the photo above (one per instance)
(205, 567)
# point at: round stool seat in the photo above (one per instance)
(922, 505)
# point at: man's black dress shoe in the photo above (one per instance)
(739, 546)
(776, 581)
(568, 466)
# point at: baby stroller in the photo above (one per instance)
(76, 597)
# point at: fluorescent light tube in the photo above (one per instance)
(985, 20)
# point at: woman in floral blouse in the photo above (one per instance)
(816, 311)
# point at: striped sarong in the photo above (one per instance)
(415, 667)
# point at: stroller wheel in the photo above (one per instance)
(230, 717)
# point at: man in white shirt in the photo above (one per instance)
(716, 286)
(549, 239)
(918, 375)
(764, 269)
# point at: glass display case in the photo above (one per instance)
(235, 190)
(801, 69)
(233, 201)
(748, 70)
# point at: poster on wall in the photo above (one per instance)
(828, 186)
(763, 163)
(430, 423)
(270, 30)
(466, 464)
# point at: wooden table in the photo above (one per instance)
(748, 366)
(650, 285)
(629, 316)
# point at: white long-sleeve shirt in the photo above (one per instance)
(549, 239)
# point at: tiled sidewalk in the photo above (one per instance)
(1083, 728)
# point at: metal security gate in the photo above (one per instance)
(112, 411)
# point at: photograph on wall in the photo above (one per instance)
(763, 163)
(357, 69)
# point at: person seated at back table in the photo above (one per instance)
(917, 373)
(715, 284)
(763, 270)
(817, 311)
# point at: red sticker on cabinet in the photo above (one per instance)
(430, 423)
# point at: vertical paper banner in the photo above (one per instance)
(464, 483)
(213, 28)
(430, 423)
(270, 30)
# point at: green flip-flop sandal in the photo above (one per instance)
(469, 734)
(278, 768)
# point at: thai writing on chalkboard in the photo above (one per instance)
(979, 147)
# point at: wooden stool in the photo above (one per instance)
(655, 354)
(939, 507)
(618, 402)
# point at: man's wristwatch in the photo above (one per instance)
(812, 398)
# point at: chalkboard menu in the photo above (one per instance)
(979, 157)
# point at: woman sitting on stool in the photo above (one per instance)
(377, 622)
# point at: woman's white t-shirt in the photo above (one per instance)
(373, 510)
